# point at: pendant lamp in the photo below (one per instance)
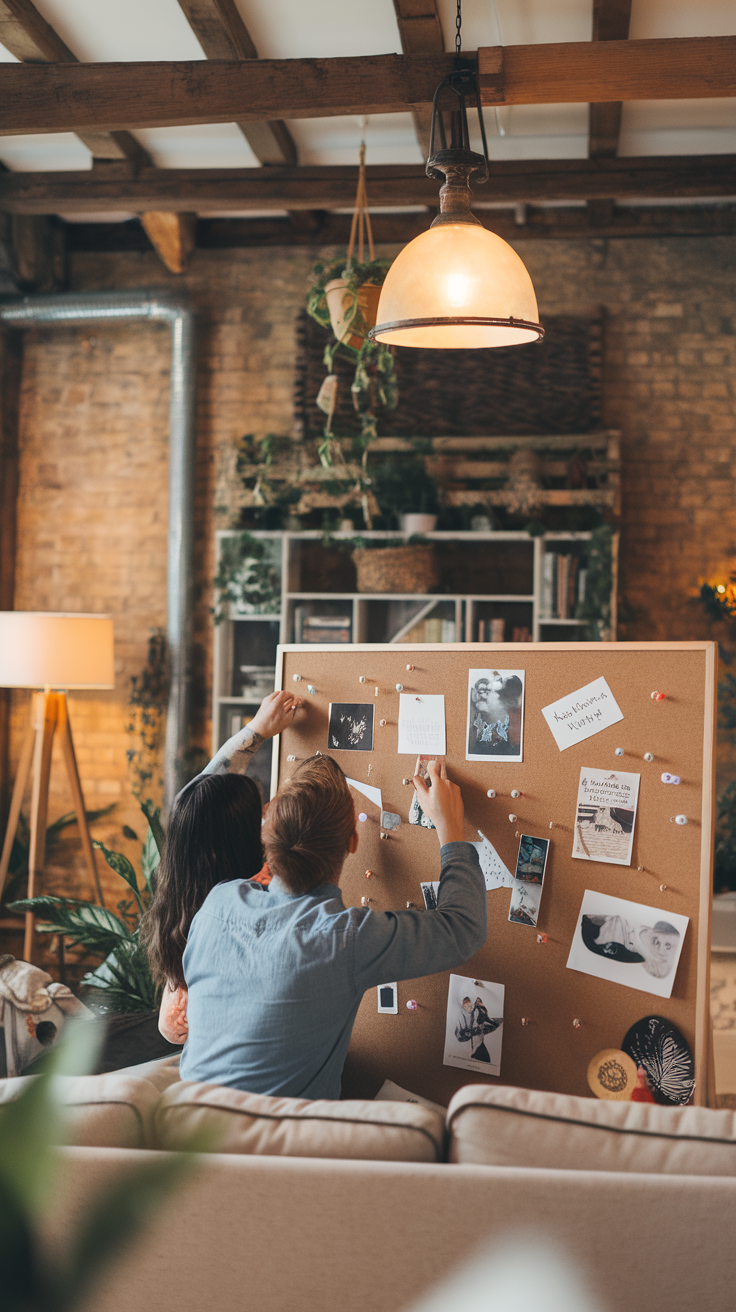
(457, 286)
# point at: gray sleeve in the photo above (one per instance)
(394, 945)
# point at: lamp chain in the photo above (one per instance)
(458, 27)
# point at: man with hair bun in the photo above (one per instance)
(276, 974)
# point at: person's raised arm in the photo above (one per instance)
(275, 713)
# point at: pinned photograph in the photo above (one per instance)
(430, 892)
(351, 726)
(495, 715)
(528, 879)
(628, 943)
(474, 1027)
(524, 905)
(606, 813)
(388, 999)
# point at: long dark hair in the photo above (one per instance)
(214, 835)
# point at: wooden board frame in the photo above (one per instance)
(548, 1052)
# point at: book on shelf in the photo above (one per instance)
(563, 585)
(321, 628)
(437, 630)
(521, 634)
(238, 722)
(491, 630)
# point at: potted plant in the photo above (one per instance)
(406, 493)
(343, 297)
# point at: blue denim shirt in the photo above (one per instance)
(275, 980)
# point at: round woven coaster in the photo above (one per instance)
(612, 1075)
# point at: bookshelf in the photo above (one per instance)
(486, 581)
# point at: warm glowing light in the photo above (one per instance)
(720, 588)
(452, 270)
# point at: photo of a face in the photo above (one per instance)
(495, 715)
(627, 943)
(351, 726)
(474, 1025)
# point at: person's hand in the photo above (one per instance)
(442, 802)
(275, 713)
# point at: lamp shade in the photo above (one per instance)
(42, 649)
(466, 277)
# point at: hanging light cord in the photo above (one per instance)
(458, 30)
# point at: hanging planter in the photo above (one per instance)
(352, 309)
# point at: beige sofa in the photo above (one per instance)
(362, 1206)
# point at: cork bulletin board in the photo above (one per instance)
(548, 1052)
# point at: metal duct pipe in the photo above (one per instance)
(93, 307)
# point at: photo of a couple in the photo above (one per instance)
(474, 1020)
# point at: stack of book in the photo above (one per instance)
(491, 630)
(436, 630)
(521, 634)
(321, 628)
(563, 585)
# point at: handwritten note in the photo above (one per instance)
(422, 724)
(495, 872)
(583, 713)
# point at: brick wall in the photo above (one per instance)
(93, 503)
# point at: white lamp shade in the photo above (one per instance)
(457, 270)
(41, 649)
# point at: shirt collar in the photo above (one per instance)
(322, 893)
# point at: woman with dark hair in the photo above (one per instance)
(213, 836)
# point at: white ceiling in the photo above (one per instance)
(102, 30)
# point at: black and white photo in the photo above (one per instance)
(351, 726)
(628, 943)
(495, 725)
(474, 1025)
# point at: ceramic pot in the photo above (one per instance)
(418, 524)
(343, 309)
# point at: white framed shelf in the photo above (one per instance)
(507, 557)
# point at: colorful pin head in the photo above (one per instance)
(491, 792)
(658, 696)
(670, 778)
(411, 1005)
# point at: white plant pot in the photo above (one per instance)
(418, 524)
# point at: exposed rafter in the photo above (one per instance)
(222, 34)
(610, 23)
(420, 30)
(32, 40)
(328, 188)
(79, 97)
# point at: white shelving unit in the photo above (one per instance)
(380, 617)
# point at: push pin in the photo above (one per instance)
(311, 689)
(399, 687)
(678, 819)
(641, 869)
(361, 678)
(658, 696)
(406, 781)
(513, 818)
(663, 888)
(525, 1020)
(417, 699)
(541, 938)
(375, 692)
(517, 834)
(410, 667)
(551, 824)
(619, 751)
(369, 874)
(382, 723)
(648, 756)
(383, 835)
(412, 1005)
(576, 1023)
(670, 778)
(515, 792)
(365, 901)
(491, 792)
(478, 983)
(291, 758)
(318, 753)
(411, 906)
(297, 678)
(362, 817)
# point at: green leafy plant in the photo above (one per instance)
(35, 1278)
(149, 693)
(403, 487)
(122, 982)
(595, 606)
(247, 578)
(355, 274)
(18, 868)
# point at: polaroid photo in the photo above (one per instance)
(474, 1025)
(526, 894)
(388, 999)
(606, 814)
(430, 893)
(627, 943)
(495, 727)
(351, 726)
(524, 905)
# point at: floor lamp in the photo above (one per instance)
(51, 653)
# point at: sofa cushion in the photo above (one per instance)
(523, 1127)
(160, 1073)
(240, 1122)
(101, 1111)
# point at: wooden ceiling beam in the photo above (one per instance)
(32, 40)
(398, 229)
(611, 20)
(420, 30)
(112, 97)
(330, 188)
(222, 34)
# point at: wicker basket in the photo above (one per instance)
(396, 569)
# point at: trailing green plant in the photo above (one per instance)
(149, 692)
(355, 274)
(246, 577)
(122, 982)
(35, 1276)
(595, 606)
(403, 487)
(17, 878)
(718, 600)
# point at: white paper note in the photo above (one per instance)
(495, 873)
(582, 713)
(422, 724)
(373, 794)
(605, 817)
